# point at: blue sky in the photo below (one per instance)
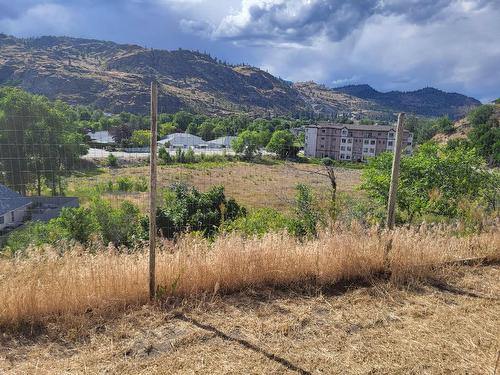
(389, 44)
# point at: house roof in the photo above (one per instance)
(103, 136)
(182, 138)
(10, 200)
(226, 141)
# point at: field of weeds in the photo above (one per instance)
(251, 184)
(377, 327)
(46, 285)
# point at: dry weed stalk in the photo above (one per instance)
(45, 284)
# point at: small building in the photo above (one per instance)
(181, 140)
(101, 139)
(352, 142)
(13, 208)
(222, 142)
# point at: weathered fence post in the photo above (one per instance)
(391, 207)
(152, 191)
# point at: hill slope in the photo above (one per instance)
(116, 77)
(427, 102)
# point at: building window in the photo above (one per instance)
(2, 220)
(390, 143)
(344, 140)
(366, 141)
(349, 140)
(348, 157)
(322, 138)
(342, 148)
(372, 142)
(12, 216)
(348, 148)
(323, 130)
(342, 156)
(322, 146)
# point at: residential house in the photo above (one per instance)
(182, 140)
(13, 208)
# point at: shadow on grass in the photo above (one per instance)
(246, 344)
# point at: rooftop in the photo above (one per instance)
(353, 126)
(10, 200)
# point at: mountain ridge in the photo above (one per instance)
(116, 77)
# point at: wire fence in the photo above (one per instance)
(63, 181)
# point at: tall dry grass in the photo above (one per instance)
(45, 284)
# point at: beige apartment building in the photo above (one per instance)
(352, 141)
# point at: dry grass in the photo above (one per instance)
(371, 329)
(253, 185)
(46, 285)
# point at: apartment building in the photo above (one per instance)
(352, 141)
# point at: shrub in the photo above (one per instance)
(124, 184)
(432, 181)
(187, 209)
(307, 215)
(112, 161)
(77, 223)
(258, 223)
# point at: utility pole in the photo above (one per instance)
(152, 191)
(391, 207)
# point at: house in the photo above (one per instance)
(222, 142)
(101, 139)
(182, 140)
(13, 208)
(352, 142)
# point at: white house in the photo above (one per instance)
(222, 142)
(13, 207)
(182, 140)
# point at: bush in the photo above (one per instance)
(432, 181)
(259, 222)
(307, 215)
(112, 161)
(186, 209)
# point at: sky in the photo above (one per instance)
(453, 45)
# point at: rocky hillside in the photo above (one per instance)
(426, 102)
(116, 77)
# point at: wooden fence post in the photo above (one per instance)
(391, 207)
(152, 191)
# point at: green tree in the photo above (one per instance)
(282, 144)
(432, 181)
(166, 129)
(182, 120)
(247, 144)
(140, 138)
(39, 141)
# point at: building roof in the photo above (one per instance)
(223, 141)
(10, 200)
(182, 139)
(103, 136)
(354, 126)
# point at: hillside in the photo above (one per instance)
(426, 102)
(116, 77)
(462, 127)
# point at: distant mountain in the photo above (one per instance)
(426, 102)
(116, 77)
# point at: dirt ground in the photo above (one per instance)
(450, 327)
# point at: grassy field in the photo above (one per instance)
(375, 328)
(253, 185)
